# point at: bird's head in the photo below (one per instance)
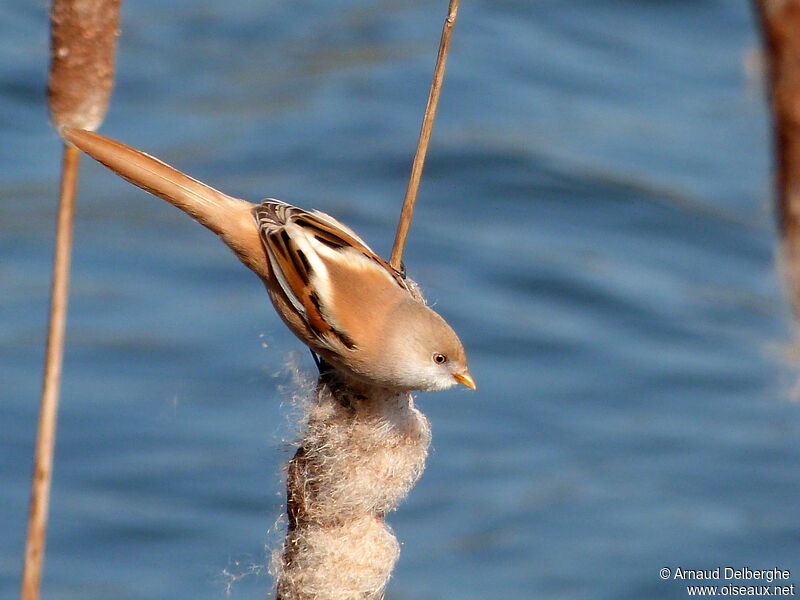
(424, 353)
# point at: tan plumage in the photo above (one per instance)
(321, 268)
(332, 291)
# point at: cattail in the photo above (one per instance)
(82, 45)
(83, 41)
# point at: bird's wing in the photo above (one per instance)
(300, 246)
(334, 234)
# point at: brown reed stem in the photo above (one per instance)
(82, 51)
(780, 23)
(45, 440)
(424, 138)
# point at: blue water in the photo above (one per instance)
(594, 220)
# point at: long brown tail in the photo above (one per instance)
(228, 217)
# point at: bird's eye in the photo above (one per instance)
(439, 359)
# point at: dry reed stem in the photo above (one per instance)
(424, 138)
(45, 439)
(83, 36)
(780, 23)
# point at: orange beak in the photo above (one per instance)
(466, 379)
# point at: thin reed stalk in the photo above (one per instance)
(424, 138)
(51, 385)
(780, 23)
(83, 40)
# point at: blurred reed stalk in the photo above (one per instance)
(780, 24)
(410, 199)
(83, 40)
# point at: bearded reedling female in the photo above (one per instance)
(334, 293)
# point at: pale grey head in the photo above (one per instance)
(425, 352)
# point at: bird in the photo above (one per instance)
(351, 307)
(348, 305)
